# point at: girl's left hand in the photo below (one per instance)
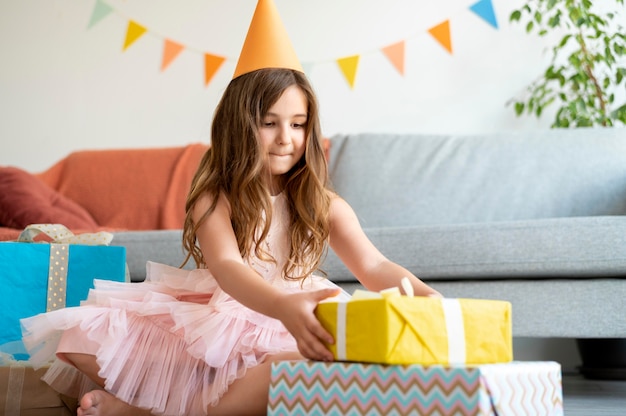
(297, 312)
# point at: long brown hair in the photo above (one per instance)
(234, 166)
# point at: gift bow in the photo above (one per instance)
(452, 312)
(61, 235)
(59, 256)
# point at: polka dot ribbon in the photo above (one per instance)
(57, 276)
(61, 235)
(60, 256)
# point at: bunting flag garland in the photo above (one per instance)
(211, 64)
(484, 9)
(441, 33)
(133, 32)
(100, 11)
(395, 54)
(348, 65)
(171, 50)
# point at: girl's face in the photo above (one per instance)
(283, 133)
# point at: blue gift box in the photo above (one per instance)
(38, 277)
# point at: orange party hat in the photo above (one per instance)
(267, 44)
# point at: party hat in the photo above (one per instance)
(267, 44)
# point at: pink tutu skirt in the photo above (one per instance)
(172, 344)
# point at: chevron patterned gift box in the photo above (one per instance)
(516, 388)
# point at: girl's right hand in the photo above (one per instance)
(297, 312)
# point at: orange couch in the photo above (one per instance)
(122, 189)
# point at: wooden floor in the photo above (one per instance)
(585, 397)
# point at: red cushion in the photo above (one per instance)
(25, 200)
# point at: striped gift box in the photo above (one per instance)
(516, 388)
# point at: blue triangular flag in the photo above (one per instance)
(100, 11)
(484, 9)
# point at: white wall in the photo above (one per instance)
(64, 86)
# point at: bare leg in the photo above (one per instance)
(99, 402)
(86, 364)
(245, 396)
(249, 395)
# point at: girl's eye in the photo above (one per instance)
(268, 124)
(298, 125)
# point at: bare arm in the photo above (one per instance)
(362, 258)
(219, 246)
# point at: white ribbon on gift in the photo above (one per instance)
(340, 340)
(455, 329)
(15, 384)
(60, 256)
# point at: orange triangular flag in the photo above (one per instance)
(211, 64)
(267, 44)
(171, 50)
(349, 66)
(133, 32)
(395, 53)
(441, 33)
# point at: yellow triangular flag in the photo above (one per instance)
(133, 32)
(395, 53)
(349, 66)
(441, 33)
(211, 64)
(171, 50)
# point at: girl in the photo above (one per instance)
(260, 214)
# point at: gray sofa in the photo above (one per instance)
(537, 218)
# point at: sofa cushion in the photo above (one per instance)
(163, 246)
(131, 189)
(563, 308)
(408, 180)
(577, 247)
(25, 200)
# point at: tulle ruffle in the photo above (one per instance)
(172, 344)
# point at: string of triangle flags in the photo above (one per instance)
(348, 65)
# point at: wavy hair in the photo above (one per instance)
(235, 166)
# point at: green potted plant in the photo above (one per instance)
(588, 67)
(588, 63)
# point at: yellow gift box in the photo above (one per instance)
(419, 330)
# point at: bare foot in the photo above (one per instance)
(102, 403)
